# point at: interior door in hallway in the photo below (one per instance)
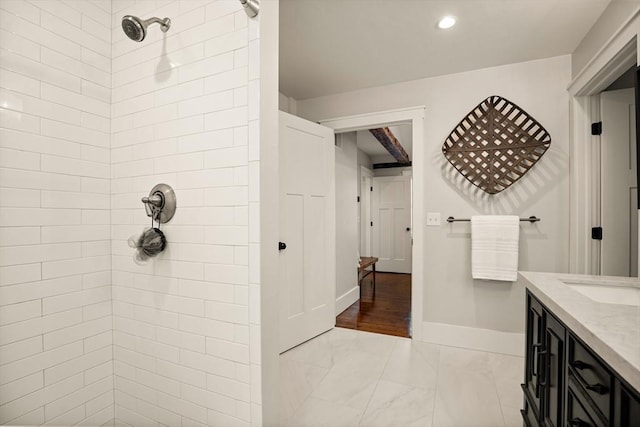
(307, 228)
(391, 223)
(619, 205)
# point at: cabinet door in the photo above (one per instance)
(627, 409)
(554, 378)
(535, 337)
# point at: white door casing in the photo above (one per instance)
(620, 52)
(414, 116)
(619, 255)
(391, 230)
(366, 184)
(307, 227)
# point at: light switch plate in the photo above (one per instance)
(433, 219)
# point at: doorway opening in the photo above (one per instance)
(373, 221)
(588, 89)
(415, 118)
(617, 194)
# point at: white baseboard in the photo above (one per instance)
(345, 300)
(474, 338)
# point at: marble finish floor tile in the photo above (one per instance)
(508, 373)
(297, 382)
(413, 363)
(320, 413)
(352, 378)
(394, 404)
(465, 398)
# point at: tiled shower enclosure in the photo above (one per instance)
(90, 122)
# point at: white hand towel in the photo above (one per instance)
(494, 247)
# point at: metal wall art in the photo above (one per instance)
(496, 144)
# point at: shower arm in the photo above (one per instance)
(164, 23)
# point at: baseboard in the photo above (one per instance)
(511, 343)
(345, 300)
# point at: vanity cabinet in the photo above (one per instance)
(544, 367)
(566, 383)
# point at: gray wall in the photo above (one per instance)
(611, 19)
(346, 213)
(451, 296)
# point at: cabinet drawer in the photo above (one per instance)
(591, 375)
(577, 414)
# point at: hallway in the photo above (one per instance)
(352, 378)
(388, 313)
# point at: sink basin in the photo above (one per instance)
(609, 294)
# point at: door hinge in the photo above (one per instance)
(371, 188)
(596, 233)
(596, 128)
(358, 199)
(372, 223)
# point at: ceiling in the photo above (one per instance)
(335, 46)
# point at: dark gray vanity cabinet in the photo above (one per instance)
(566, 383)
(544, 367)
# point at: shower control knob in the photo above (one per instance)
(155, 200)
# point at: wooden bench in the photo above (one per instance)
(366, 262)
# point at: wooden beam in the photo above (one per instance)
(391, 143)
(390, 165)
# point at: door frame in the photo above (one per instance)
(602, 194)
(365, 206)
(618, 54)
(415, 117)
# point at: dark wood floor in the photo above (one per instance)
(388, 313)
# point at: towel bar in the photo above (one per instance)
(531, 219)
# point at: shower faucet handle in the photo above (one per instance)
(155, 200)
(160, 205)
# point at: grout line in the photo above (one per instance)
(495, 389)
(435, 389)
(364, 411)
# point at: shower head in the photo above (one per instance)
(136, 28)
(251, 7)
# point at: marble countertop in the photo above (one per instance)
(611, 330)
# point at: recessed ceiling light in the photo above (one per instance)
(446, 22)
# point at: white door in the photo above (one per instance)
(391, 229)
(307, 227)
(366, 184)
(619, 193)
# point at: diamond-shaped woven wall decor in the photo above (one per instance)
(496, 144)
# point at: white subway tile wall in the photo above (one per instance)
(185, 351)
(56, 338)
(90, 121)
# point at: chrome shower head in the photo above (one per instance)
(251, 7)
(136, 28)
